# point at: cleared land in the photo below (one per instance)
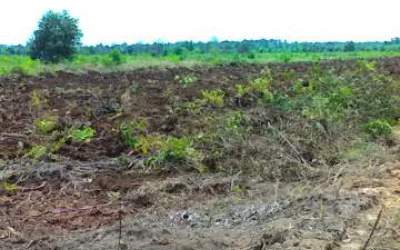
(240, 156)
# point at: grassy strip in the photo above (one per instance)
(110, 62)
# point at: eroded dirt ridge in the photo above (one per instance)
(250, 172)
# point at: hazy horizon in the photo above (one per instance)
(123, 21)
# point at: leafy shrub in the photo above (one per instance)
(324, 96)
(46, 125)
(258, 88)
(83, 134)
(378, 128)
(116, 57)
(56, 38)
(213, 97)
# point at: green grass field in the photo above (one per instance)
(105, 63)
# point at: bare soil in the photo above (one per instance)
(87, 199)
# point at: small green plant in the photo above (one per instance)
(84, 134)
(130, 131)
(46, 124)
(213, 97)
(57, 144)
(127, 135)
(38, 101)
(148, 144)
(235, 122)
(37, 152)
(242, 90)
(366, 66)
(194, 107)
(9, 187)
(261, 86)
(186, 81)
(175, 149)
(378, 128)
(258, 88)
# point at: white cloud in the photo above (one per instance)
(148, 20)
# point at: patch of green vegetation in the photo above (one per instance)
(23, 65)
(176, 149)
(84, 134)
(187, 80)
(259, 88)
(235, 122)
(11, 64)
(37, 152)
(362, 151)
(46, 124)
(130, 130)
(159, 150)
(213, 97)
(38, 101)
(114, 58)
(9, 187)
(57, 144)
(193, 107)
(242, 90)
(149, 144)
(378, 128)
(351, 96)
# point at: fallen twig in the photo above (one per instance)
(373, 230)
(15, 232)
(12, 135)
(295, 150)
(34, 188)
(66, 210)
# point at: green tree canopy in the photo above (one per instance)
(56, 38)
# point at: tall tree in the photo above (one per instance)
(57, 37)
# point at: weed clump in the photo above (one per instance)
(176, 150)
(186, 81)
(37, 152)
(84, 134)
(257, 89)
(46, 125)
(378, 128)
(214, 97)
(129, 131)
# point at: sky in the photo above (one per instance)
(131, 21)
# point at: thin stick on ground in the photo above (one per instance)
(373, 230)
(120, 222)
(120, 227)
(295, 150)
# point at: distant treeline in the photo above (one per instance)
(244, 47)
